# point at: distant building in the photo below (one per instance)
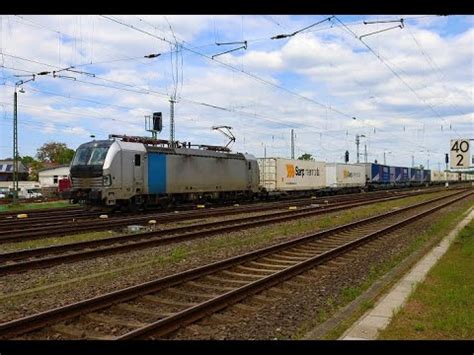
(6, 171)
(49, 177)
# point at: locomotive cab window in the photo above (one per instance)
(250, 166)
(137, 159)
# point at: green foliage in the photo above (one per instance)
(27, 160)
(33, 165)
(55, 152)
(442, 306)
(65, 156)
(306, 156)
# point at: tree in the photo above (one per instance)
(306, 156)
(27, 160)
(55, 153)
(65, 156)
(35, 167)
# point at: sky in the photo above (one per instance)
(406, 90)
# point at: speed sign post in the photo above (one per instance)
(460, 154)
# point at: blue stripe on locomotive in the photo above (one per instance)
(156, 173)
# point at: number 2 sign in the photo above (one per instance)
(460, 153)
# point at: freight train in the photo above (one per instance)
(135, 172)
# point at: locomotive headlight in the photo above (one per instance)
(106, 180)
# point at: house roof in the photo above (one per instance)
(6, 166)
(53, 167)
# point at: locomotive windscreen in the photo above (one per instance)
(93, 153)
(89, 159)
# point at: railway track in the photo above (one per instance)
(29, 259)
(159, 307)
(60, 216)
(65, 214)
(15, 231)
(9, 216)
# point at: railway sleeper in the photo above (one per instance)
(209, 287)
(71, 331)
(137, 310)
(160, 301)
(224, 280)
(102, 318)
(264, 271)
(238, 274)
(277, 267)
(273, 259)
(282, 256)
(178, 291)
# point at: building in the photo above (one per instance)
(49, 177)
(6, 170)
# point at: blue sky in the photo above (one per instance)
(410, 96)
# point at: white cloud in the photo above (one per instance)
(329, 67)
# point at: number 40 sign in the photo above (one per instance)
(460, 153)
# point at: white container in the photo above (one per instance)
(437, 175)
(344, 175)
(446, 176)
(278, 174)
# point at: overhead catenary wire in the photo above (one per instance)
(132, 86)
(165, 95)
(62, 35)
(392, 70)
(232, 67)
(280, 36)
(402, 138)
(255, 77)
(204, 104)
(211, 106)
(434, 66)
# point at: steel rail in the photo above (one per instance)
(88, 225)
(49, 317)
(156, 238)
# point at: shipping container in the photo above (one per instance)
(438, 175)
(377, 173)
(426, 175)
(393, 174)
(278, 174)
(416, 175)
(344, 175)
(443, 176)
(402, 174)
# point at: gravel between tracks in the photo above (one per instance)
(308, 303)
(105, 274)
(37, 243)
